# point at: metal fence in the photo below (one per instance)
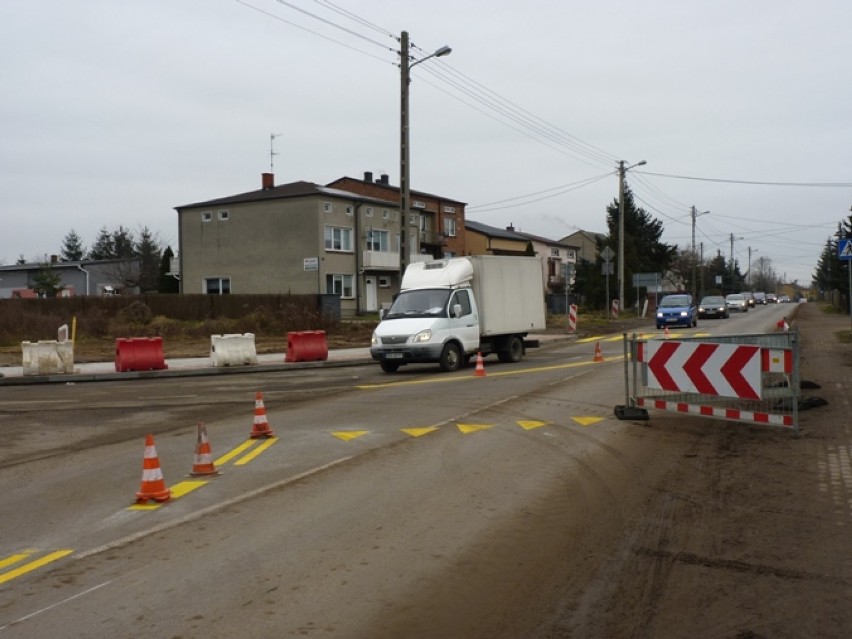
(743, 378)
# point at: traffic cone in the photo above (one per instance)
(261, 426)
(153, 485)
(203, 464)
(666, 333)
(598, 354)
(480, 366)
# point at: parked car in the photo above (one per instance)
(713, 306)
(783, 299)
(677, 310)
(759, 297)
(771, 298)
(736, 302)
(749, 296)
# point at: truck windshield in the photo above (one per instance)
(423, 302)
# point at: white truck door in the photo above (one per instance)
(466, 323)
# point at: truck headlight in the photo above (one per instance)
(422, 336)
(374, 340)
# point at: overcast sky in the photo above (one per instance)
(113, 113)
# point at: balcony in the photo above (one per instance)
(555, 281)
(380, 260)
(432, 238)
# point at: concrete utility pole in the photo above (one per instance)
(695, 214)
(621, 172)
(405, 65)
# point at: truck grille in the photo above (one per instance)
(394, 340)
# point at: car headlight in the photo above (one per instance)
(422, 336)
(659, 314)
(683, 313)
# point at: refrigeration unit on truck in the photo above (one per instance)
(450, 310)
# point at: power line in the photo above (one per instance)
(565, 188)
(844, 185)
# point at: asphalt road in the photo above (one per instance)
(419, 504)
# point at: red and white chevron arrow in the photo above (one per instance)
(724, 370)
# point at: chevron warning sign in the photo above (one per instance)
(724, 370)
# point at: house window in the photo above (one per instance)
(378, 240)
(206, 216)
(384, 281)
(416, 204)
(224, 215)
(327, 207)
(217, 285)
(385, 213)
(338, 238)
(572, 255)
(554, 252)
(450, 226)
(350, 210)
(449, 209)
(340, 285)
(369, 211)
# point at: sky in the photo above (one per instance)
(113, 113)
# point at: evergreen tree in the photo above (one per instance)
(123, 244)
(168, 283)
(643, 250)
(47, 282)
(72, 248)
(150, 255)
(103, 248)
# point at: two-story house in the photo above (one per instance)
(296, 238)
(559, 261)
(436, 227)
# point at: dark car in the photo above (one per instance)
(677, 310)
(713, 306)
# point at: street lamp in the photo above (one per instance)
(750, 251)
(621, 171)
(405, 65)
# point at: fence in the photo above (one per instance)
(742, 378)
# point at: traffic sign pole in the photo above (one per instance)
(844, 252)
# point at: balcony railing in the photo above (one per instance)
(381, 260)
(433, 238)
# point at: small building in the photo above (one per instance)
(84, 277)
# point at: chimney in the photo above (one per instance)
(267, 180)
(511, 227)
(383, 179)
(368, 176)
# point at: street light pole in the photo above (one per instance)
(621, 171)
(695, 214)
(405, 65)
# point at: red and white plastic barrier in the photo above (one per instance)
(139, 354)
(306, 346)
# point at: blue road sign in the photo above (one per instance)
(844, 249)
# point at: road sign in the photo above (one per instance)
(844, 249)
(724, 370)
(647, 280)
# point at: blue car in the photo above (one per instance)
(677, 310)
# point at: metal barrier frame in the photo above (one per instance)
(778, 403)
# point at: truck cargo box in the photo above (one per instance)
(510, 294)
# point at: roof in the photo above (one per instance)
(493, 231)
(395, 189)
(283, 191)
(545, 240)
(29, 266)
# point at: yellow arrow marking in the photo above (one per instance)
(587, 421)
(257, 451)
(419, 432)
(472, 428)
(38, 563)
(347, 435)
(529, 425)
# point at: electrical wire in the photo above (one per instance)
(565, 188)
(844, 185)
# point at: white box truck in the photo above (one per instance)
(449, 310)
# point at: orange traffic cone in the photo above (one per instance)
(153, 485)
(261, 426)
(203, 464)
(480, 366)
(598, 354)
(666, 333)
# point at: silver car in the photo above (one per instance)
(736, 302)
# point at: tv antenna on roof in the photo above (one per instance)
(272, 152)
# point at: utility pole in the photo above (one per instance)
(621, 171)
(732, 260)
(404, 191)
(695, 214)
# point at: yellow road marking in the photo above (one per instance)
(186, 487)
(443, 379)
(33, 565)
(473, 428)
(257, 451)
(419, 432)
(224, 459)
(348, 435)
(530, 424)
(587, 421)
(13, 559)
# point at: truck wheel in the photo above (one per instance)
(451, 358)
(389, 367)
(514, 352)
